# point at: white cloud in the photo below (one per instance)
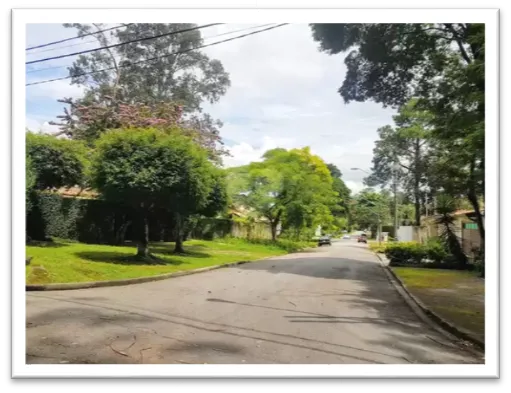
(53, 91)
(283, 94)
(38, 125)
(244, 153)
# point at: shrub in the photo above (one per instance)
(377, 247)
(405, 253)
(283, 244)
(435, 251)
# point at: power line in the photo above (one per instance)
(155, 58)
(92, 41)
(206, 38)
(121, 43)
(75, 38)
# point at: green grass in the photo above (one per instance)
(457, 296)
(64, 261)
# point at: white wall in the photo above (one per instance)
(405, 233)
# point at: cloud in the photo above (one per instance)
(40, 126)
(283, 94)
(243, 153)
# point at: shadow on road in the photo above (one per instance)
(402, 337)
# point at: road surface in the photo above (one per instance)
(331, 305)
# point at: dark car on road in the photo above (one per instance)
(362, 238)
(324, 240)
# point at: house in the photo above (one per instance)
(465, 228)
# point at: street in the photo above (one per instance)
(333, 304)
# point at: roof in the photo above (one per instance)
(77, 192)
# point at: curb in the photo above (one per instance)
(138, 280)
(424, 313)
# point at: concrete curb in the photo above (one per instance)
(424, 313)
(138, 280)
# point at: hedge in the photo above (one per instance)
(100, 222)
(430, 255)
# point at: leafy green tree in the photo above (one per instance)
(56, 162)
(442, 65)
(148, 73)
(370, 208)
(289, 188)
(406, 145)
(30, 181)
(343, 201)
(148, 169)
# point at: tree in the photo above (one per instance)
(370, 208)
(148, 72)
(289, 188)
(446, 208)
(342, 206)
(148, 169)
(56, 162)
(30, 180)
(406, 145)
(442, 65)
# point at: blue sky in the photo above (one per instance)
(283, 94)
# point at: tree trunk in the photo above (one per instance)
(179, 234)
(143, 243)
(273, 225)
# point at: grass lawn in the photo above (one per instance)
(63, 261)
(457, 296)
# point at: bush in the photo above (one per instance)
(405, 253)
(377, 247)
(283, 244)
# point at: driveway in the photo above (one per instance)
(331, 305)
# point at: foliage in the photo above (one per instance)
(30, 180)
(405, 146)
(343, 202)
(443, 67)
(369, 207)
(146, 74)
(431, 255)
(287, 245)
(446, 206)
(292, 188)
(148, 169)
(56, 162)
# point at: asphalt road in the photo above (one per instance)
(331, 305)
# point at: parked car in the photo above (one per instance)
(346, 237)
(324, 240)
(362, 238)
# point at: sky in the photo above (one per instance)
(283, 94)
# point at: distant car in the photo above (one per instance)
(346, 237)
(324, 240)
(362, 238)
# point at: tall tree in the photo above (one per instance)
(341, 208)
(149, 72)
(406, 145)
(442, 65)
(147, 170)
(370, 208)
(289, 188)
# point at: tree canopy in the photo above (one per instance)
(56, 162)
(146, 78)
(148, 169)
